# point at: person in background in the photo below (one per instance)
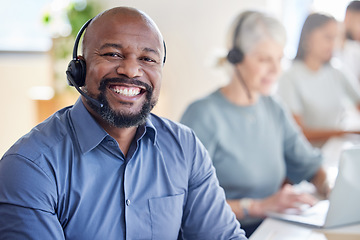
(106, 168)
(352, 21)
(320, 96)
(256, 147)
(348, 49)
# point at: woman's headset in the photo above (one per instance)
(236, 55)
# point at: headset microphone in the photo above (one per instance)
(236, 55)
(76, 70)
(94, 101)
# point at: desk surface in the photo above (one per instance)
(272, 229)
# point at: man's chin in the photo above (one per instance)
(126, 117)
(126, 114)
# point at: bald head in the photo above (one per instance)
(125, 17)
(127, 12)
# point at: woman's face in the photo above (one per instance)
(321, 41)
(262, 65)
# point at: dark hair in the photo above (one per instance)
(312, 22)
(353, 6)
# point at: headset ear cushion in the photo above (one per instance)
(235, 56)
(76, 71)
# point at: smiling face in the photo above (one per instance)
(123, 51)
(261, 66)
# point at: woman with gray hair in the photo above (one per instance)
(254, 143)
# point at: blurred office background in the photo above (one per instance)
(35, 48)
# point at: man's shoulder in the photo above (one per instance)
(172, 133)
(164, 124)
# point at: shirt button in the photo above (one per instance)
(128, 202)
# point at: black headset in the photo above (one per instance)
(236, 55)
(76, 70)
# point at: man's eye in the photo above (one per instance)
(112, 54)
(147, 59)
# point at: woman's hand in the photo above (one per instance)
(284, 199)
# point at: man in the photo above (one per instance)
(106, 168)
(348, 51)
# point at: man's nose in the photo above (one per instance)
(130, 67)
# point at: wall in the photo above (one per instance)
(19, 72)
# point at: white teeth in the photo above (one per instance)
(126, 92)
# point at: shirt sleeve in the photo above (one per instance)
(206, 213)
(302, 159)
(27, 201)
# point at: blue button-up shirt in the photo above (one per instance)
(68, 179)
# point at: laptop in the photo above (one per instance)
(343, 206)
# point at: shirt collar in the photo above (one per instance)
(90, 134)
(150, 129)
